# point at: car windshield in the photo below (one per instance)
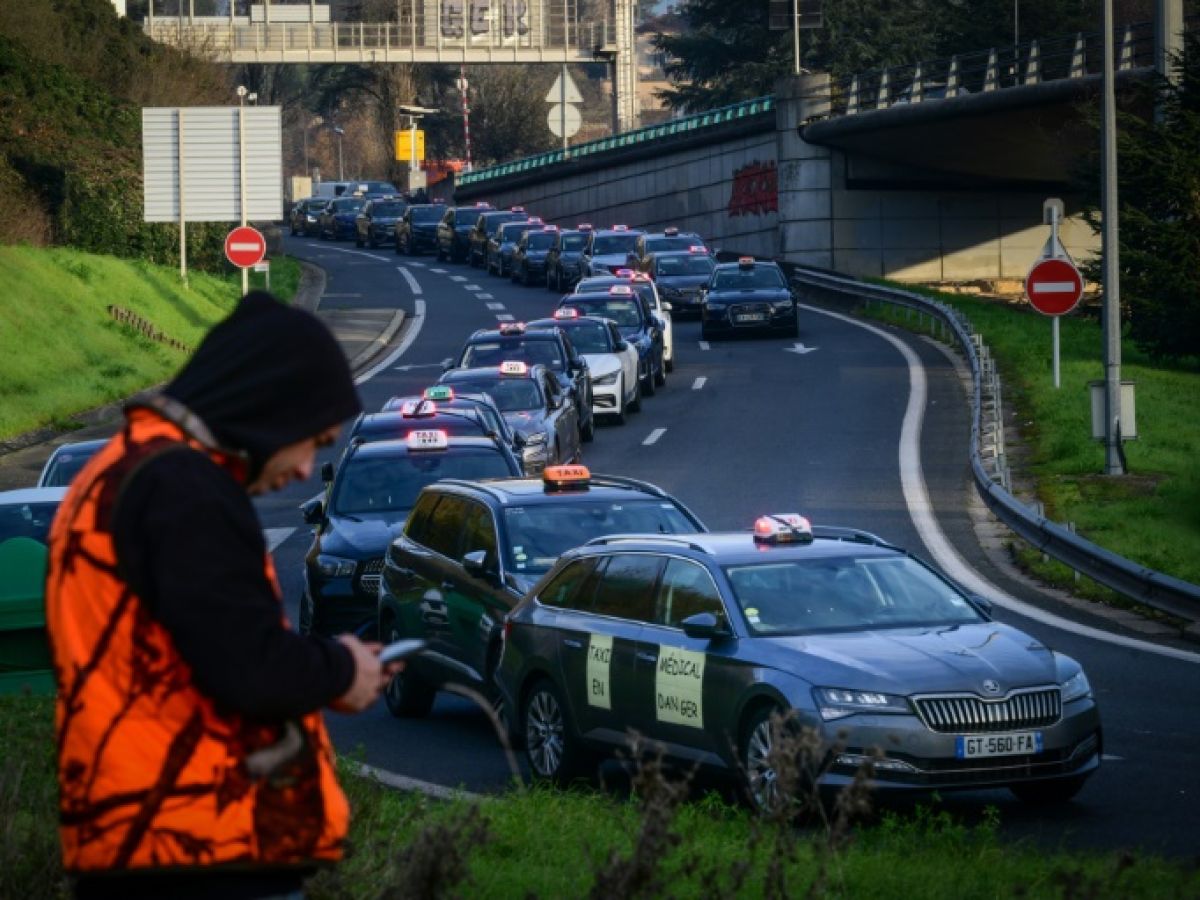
(573, 242)
(530, 350)
(626, 313)
(845, 594)
(427, 213)
(510, 231)
(387, 209)
(540, 240)
(615, 243)
(672, 242)
(66, 466)
(353, 204)
(491, 223)
(311, 205)
(29, 520)
(697, 264)
(510, 394)
(590, 337)
(539, 533)
(375, 484)
(756, 279)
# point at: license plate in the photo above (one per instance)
(750, 317)
(1022, 743)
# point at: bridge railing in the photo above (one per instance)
(707, 119)
(1020, 65)
(989, 467)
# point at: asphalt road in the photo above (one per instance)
(773, 425)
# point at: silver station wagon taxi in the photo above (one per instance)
(697, 641)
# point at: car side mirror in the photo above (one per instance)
(704, 626)
(520, 439)
(476, 565)
(313, 511)
(327, 472)
(621, 346)
(983, 604)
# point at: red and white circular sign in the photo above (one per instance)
(245, 247)
(1054, 286)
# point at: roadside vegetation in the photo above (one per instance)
(62, 351)
(656, 843)
(1150, 515)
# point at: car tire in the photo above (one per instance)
(648, 388)
(758, 780)
(635, 405)
(555, 754)
(407, 695)
(305, 619)
(587, 433)
(1050, 792)
(622, 414)
(660, 377)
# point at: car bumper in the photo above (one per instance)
(685, 303)
(748, 317)
(605, 399)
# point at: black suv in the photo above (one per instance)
(454, 231)
(546, 344)
(376, 222)
(417, 230)
(470, 551)
(661, 242)
(562, 262)
(485, 227)
(364, 507)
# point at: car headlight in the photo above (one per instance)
(610, 378)
(311, 218)
(837, 703)
(1076, 687)
(334, 566)
(781, 304)
(714, 306)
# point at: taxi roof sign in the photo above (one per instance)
(411, 409)
(427, 439)
(745, 261)
(516, 209)
(584, 226)
(512, 328)
(782, 528)
(439, 392)
(566, 312)
(572, 477)
(621, 290)
(697, 248)
(623, 272)
(514, 367)
(671, 232)
(620, 228)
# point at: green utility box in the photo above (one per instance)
(25, 664)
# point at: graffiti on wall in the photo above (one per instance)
(755, 190)
(478, 18)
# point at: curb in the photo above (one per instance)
(376, 346)
(311, 288)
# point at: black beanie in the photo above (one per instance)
(267, 376)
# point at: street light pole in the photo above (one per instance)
(1113, 464)
(339, 131)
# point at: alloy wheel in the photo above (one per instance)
(544, 737)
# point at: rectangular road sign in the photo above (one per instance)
(208, 155)
(404, 145)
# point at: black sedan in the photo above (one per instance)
(637, 326)
(680, 274)
(376, 223)
(336, 221)
(748, 296)
(306, 214)
(416, 232)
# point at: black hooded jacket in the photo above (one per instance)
(187, 537)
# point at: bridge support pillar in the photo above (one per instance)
(625, 76)
(805, 173)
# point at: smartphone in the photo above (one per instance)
(401, 650)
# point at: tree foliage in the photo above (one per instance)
(1159, 198)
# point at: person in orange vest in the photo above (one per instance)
(192, 756)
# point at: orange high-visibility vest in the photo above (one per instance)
(151, 774)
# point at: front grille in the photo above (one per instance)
(369, 575)
(744, 309)
(967, 713)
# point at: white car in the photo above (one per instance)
(611, 360)
(648, 291)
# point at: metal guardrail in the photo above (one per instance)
(691, 123)
(1154, 589)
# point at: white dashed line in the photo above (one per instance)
(653, 437)
(497, 306)
(357, 253)
(412, 282)
(414, 329)
(472, 287)
(704, 345)
(503, 317)
(698, 383)
(458, 277)
(276, 536)
(438, 271)
(416, 265)
(1109, 757)
(483, 296)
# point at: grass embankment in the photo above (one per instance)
(546, 843)
(1152, 514)
(61, 351)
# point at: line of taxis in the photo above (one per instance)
(590, 607)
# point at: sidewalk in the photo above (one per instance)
(361, 333)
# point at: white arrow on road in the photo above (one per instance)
(800, 348)
(437, 365)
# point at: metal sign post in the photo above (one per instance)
(182, 214)
(1053, 285)
(1113, 464)
(241, 92)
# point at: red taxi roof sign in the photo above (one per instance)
(535, 220)
(620, 228)
(697, 248)
(566, 477)
(640, 276)
(584, 226)
(566, 312)
(623, 272)
(480, 204)
(745, 261)
(671, 232)
(621, 290)
(439, 392)
(514, 367)
(512, 328)
(782, 528)
(516, 209)
(427, 439)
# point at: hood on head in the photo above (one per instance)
(267, 376)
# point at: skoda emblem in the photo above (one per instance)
(991, 687)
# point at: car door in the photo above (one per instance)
(687, 686)
(432, 598)
(629, 360)
(598, 633)
(561, 411)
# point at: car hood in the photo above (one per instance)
(682, 282)
(386, 220)
(362, 535)
(917, 660)
(611, 259)
(601, 363)
(425, 227)
(527, 421)
(748, 296)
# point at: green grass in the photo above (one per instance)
(547, 843)
(1152, 514)
(60, 350)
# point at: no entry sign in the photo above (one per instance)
(1053, 286)
(245, 247)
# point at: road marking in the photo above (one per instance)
(472, 287)
(920, 509)
(339, 296)
(484, 296)
(1109, 757)
(503, 317)
(357, 253)
(653, 437)
(418, 320)
(458, 277)
(495, 306)
(704, 345)
(276, 536)
(415, 264)
(699, 383)
(799, 348)
(438, 271)
(412, 282)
